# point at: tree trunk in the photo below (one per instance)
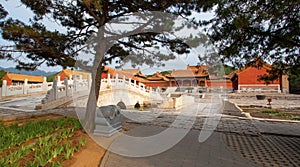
(89, 121)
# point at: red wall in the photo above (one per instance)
(62, 76)
(225, 84)
(9, 82)
(251, 75)
(156, 84)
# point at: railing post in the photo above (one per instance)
(55, 89)
(124, 81)
(108, 79)
(45, 84)
(4, 87)
(66, 86)
(117, 79)
(58, 81)
(89, 81)
(74, 84)
(25, 86)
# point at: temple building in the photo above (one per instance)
(248, 79)
(193, 76)
(19, 79)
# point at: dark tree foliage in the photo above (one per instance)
(86, 19)
(243, 30)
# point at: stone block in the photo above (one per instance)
(107, 120)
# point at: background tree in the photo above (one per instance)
(268, 29)
(86, 21)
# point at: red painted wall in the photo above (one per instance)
(225, 84)
(9, 82)
(62, 76)
(251, 75)
(157, 84)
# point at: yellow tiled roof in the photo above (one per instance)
(68, 73)
(21, 77)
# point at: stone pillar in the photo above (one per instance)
(89, 81)
(4, 87)
(66, 86)
(117, 79)
(74, 83)
(45, 84)
(25, 86)
(80, 77)
(58, 83)
(108, 79)
(124, 81)
(55, 89)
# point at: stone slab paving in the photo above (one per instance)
(236, 141)
(283, 128)
(266, 150)
(188, 152)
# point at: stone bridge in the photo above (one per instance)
(113, 91)
(128, 92)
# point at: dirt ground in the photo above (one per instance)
(90, 155)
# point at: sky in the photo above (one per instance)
(16, 10)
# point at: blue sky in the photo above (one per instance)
(16, 10)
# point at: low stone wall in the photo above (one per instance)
(176, 102)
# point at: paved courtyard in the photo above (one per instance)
(235, 140)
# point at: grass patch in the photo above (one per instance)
(295, 119)
(270, 112)
(39, 143)
(276, 113)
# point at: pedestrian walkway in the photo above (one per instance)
(188, 152)
(236, 141)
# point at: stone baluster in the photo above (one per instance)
(4, 87)
(55, 89)
(117, 79)
(124, 81)
(45, 84)
(129, 81)
(74, 84)
(108, 79)
(58, 81)
(89, 81)
(25, 86)
(66, 86)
